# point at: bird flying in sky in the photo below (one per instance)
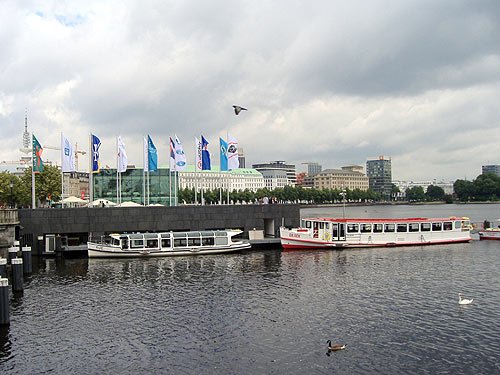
(238, 109)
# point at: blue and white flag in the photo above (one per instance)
(67, 155)
(180, 157)
(223, 154)
(205, 155)
(152, 156)
(122, 156)
(96, 143)
(233, 161)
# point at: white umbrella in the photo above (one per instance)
(73, 199)
(101, 202)
(155, 205)
(129, 204)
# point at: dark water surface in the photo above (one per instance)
(266, 312)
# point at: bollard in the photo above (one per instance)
(26, 252)
(4, 301)
(3, 267)
(17, 274)
(12, 253)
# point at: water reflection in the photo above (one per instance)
(5, 343)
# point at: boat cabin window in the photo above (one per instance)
(165, 242)
(425, 227)
(207, 241)
(378, 228)
(115, 241)
(307, 224)
(352, 228)
(365, 228)
(194, 239)
(135, 243)
(389, 228)
(221, 240)
(447, 225)
(436, 227)
(458, 224)
(152, 243)
(413, 227)
(402, 227)
(321, 225)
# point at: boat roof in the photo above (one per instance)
(383, 220)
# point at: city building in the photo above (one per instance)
(380, 176)
(277, 173)
(75, 184)
(495, 169)
(162, 184)
(241, 157)
(238, 179)
(347, 177)
(404, 185)
(313, 168)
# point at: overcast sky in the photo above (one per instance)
(327, 81)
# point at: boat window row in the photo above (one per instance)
(204, 238)
(437, 226)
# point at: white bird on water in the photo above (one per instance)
(464, 301)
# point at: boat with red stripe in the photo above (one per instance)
(319, 233)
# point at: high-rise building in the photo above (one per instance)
(491, 169)
(380, 176)
(278, 170)
(241, 157)
(313, 168)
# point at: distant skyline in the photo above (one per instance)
(331, 82)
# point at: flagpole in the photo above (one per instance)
(62, 172)
(91, 177)
(33, 199)
(117, 176)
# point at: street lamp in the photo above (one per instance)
(343, 202)
(11, 184)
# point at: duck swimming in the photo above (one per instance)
(464, 301)
(334, 347)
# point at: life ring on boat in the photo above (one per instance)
(326, 236)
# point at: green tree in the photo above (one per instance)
(415, 194)
(435, 193)
(464, 190)
(47, 186)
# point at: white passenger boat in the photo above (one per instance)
(331, 233)
(166, 244)
(489, 234)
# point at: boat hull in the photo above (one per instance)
(489, 234)
(96, 250)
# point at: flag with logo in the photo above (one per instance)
(152, 156)
(197, 144)
(96, 143)
(180, 157)
(223, 154)
(67, 155)
(37, 156)
(172, 154)
(232, 153)
(122, 156)
(205, 155)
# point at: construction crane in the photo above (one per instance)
(77, 151)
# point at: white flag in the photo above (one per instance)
(67, 155)
(180, 157)
(198, 161)
(122, 156)
(145, 155)
(232, 153)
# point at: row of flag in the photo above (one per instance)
(228, 151)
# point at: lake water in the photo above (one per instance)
(266, 312)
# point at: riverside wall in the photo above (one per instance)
(8, 222)
(78, 223)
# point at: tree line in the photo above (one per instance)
(16, 192)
